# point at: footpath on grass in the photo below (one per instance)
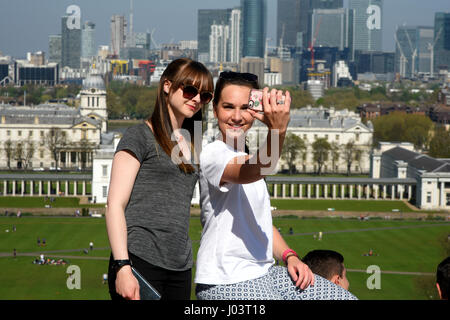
(353, 214)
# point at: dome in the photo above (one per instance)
(93, 81)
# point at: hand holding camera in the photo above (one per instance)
(271, 108)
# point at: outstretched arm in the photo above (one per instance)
(251, 168)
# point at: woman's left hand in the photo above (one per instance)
(300, 272)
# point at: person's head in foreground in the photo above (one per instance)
(443, 278)
(328, 264)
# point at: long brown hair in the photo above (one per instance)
(180, 72)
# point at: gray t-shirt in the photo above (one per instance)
(158, 211)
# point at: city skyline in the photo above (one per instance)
(28, 25)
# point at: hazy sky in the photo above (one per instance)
(26, 24)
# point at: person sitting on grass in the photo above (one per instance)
(328, 264)
(443, 278)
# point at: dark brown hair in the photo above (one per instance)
(180, 72)
(235, 78)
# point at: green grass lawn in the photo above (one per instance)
(40, 202)
(400, 245)
(340, 205)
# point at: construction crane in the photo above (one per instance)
(431, 48)
(413, 54)
(403, 60)
(313, 41)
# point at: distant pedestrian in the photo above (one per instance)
(105, 278)
(43, 242)
(91, 245)
(14, 228)
(38, 242)
(14, 252)
(291, 231)
(320, 235)
(19, 214)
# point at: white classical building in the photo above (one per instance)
(25, 131)
(338, 127)
(399, 160)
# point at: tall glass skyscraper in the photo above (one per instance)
(294, 20)
(442, 38)
(368, 24)
(54, 48)
(207, 18)
(88, 40)
(254, 15)
(70, 44)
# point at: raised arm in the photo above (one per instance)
(251, 168)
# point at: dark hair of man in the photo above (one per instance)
(325, 263)
(443, 277)
(180, 72)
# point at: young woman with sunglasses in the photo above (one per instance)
(148, 207)
(239, 242)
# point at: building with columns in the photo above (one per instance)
(31, 136)
(432, 176)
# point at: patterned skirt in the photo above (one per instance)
(275, 285)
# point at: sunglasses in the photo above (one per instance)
(230, 75)
(190, 92)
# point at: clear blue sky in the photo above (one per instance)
(26, 24)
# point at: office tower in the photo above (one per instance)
(88, 47)
(441, 47)
(118, 34)
(54, 48)
(294, 20)
(70, 43)
(291, 24)
(405, 51)
(332, 28)
(368, 24)
(254, 15)
(425, 36)
(235, 35)
(206, 18)
(218, 43)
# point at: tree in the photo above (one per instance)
(28, 153)
(348, 153)
(19, 154)
(9, 150)
(55, 140)
(335, 155)
(293, 147)
(440, 144)
(396, 126)
(321, 149)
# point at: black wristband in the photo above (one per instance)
(117, 264)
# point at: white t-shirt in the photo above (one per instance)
(236, 243)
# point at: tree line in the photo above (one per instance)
(323, 152)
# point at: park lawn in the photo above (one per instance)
(413, 246)
(62, 233)
(23, 280)
(340, 205)
(41, 202)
